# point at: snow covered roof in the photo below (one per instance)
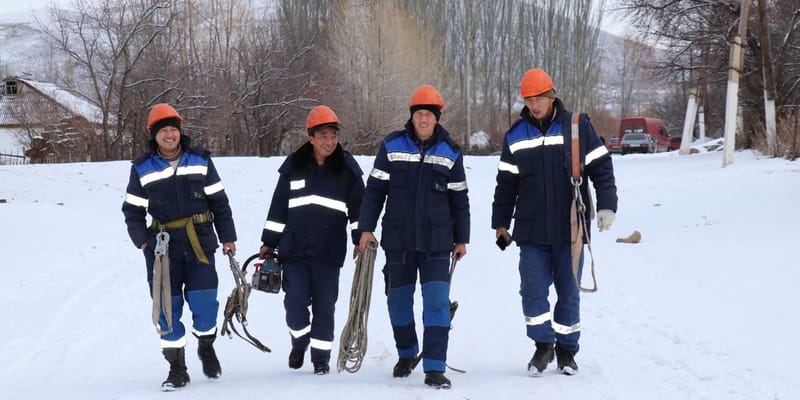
(74, 103)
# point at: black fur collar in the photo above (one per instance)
(304, 157)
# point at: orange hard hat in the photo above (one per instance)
(321, 115)
(426, 95)
(535, 82)
(161, 112)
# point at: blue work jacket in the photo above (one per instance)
(311, 206)
(192, 187)
(425, 190)
(534, 177)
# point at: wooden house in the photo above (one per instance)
(51, 123)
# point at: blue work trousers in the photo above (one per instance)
(400, 274)
(195, 282)
(315, 284)
(540, 267)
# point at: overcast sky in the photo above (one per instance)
(22, 9)
(16, 9)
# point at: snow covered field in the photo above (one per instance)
(705, 307)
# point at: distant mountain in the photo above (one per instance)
(24, 51)
(612, 52)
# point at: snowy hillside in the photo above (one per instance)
(703, 308)
(24, 51)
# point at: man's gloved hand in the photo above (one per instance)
(604, 219)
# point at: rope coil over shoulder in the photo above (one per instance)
(577, 213)
(188, 224)
(353, 341)
(237, 306)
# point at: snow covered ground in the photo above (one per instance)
(703, 308)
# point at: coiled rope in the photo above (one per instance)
(353, 340)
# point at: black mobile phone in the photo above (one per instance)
(501, 242)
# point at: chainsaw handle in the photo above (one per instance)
(247, 262)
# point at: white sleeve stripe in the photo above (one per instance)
(457, 186)
(379, 174)
(504, 166)
(297, 184)
(274, 226)
(136, 200)
(211, 189)
(595, 154)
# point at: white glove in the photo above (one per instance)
(604, 219)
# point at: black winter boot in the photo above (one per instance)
(178, 377)
(296, 358)
(321, 367)
(541, 357)
(208, 357)
(566, 361)
(403, 367)
(437, 379)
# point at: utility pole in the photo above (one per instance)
(688, 122)
(769, 82)
(470, 34)
(732, 99)
(701, 118)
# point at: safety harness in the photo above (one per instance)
(188, 224)
(237, 306)
(162, 286)
(161, 289)
(577, 214)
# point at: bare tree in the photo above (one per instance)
(490, 44)
(244, 72)
(697, 34)
(375, 49)
(226, 67)
(635, 58)
(272, 90)
(106, 41)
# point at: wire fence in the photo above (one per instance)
(8, 157)
(17, 157)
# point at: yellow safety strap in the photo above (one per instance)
(188, 224)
